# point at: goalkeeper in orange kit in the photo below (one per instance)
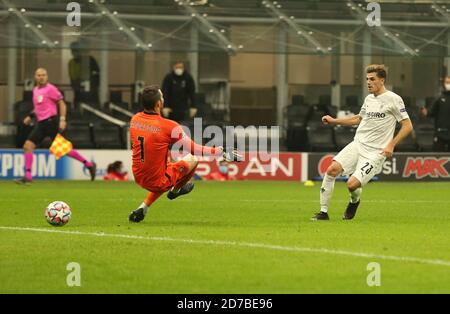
(151, 139)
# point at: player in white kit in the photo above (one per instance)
(374, 141)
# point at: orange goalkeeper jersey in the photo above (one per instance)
(151, 138)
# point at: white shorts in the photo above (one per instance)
(360, 161)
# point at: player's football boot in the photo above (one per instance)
(93, 171)
(23, 181)
(137, 215)
(350, 212)
(184, 190)
(320, 216)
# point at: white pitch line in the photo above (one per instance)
(346, 201)
(244, 245)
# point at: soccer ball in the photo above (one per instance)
(57, 213)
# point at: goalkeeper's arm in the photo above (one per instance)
(199, 150)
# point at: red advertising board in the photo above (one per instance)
(435, 167)
(401, 167)
(276, 167)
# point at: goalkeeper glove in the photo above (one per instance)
(231, 154)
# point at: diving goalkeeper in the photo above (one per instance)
(151, 139)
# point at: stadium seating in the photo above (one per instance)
(352, 104)
(321, 138)
(116, 97)
(325, 100)
(117, 101)
(411, 107)
(409, 144)
(425, 134)
(297, 139)
(326, 106)
(298, 100)
(27, 96)
(425, 139)
(304, 129)
(74, 114)
(109, 136)
(6, 132)
(315, 117)
(298, 116)
(6, 141)
(343, 135)
(207, 112)
(118, 110)
(81, 134)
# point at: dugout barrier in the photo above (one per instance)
(297, 167)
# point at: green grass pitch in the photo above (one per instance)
(232, 237)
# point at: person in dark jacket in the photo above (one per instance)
(440, 111)
(178, 89)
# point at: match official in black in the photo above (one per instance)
(440, 111)
(178, 89)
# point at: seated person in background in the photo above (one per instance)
(116, 172)
(221, 175)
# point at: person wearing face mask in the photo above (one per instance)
(178, 88)
(116, 172)
(440, 111)
(222, 175)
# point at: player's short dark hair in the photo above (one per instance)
(379, 69)
(150, 96)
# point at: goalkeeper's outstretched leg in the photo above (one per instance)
(181, 173)
(183, 185)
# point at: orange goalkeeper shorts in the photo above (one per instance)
(175, 172)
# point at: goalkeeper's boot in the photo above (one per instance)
(23, 181)
(137, 215)
(320, 216)
(184, 190)
(350, 212)
(93, 170)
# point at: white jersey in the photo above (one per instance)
(380, 115)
